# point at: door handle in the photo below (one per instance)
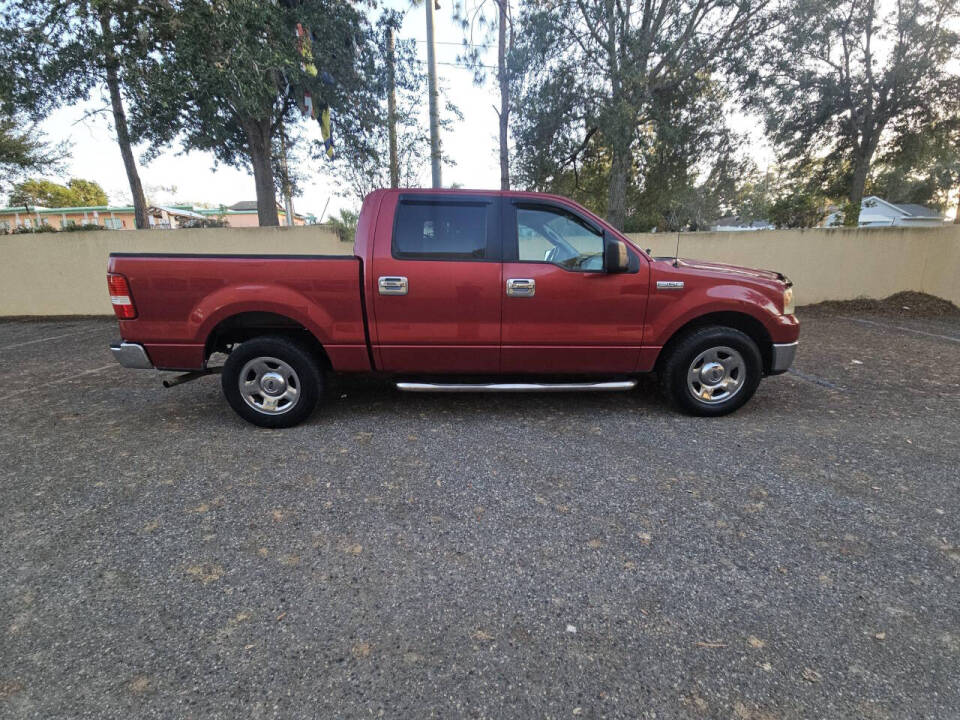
(393, 285)
(521, 287)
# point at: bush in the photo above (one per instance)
(205, 223)
(43, 228)
(84, 227)
(345, 226)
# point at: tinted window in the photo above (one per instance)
(441, 231)
(553, 236)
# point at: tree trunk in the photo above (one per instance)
(112, 67)
(851, 213)
(261, 158)
(504, 80)
(861, 169)
(617, 190)
(956, 219)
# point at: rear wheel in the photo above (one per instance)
(272, 382)
(712, 371)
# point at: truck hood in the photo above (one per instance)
(723, 268)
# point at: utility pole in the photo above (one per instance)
(285, 180)
(503, 7)
(392, 110)
(434, 94)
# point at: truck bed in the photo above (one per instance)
(181, 299)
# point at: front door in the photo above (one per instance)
(437, 302)
(561, 312)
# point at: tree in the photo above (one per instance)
(58, 51)
(363, 164)
(231, 77)
(685, 169)
(23, 150)
(921, 164)
(76, 193)
(479, 27)
(87, 192)
(836, 76)
(586, 71)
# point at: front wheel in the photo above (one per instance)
(712, 371)
(272, 382)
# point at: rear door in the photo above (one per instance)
(437, 299)
(561, 312)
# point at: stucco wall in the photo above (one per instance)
(834, 264)
(64, 273)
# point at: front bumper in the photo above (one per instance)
(131, 355)
(781, 358)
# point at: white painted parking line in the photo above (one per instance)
(951, 338)
(64, 380)
(46, 339)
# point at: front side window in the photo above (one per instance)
(440, 231)
(553, 236)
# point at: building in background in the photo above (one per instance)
(877, 212)
(244, 214)
(122, 218)
(735, 223)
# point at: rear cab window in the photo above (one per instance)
(454, 227)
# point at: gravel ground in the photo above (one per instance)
(543, 556)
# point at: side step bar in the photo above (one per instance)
(518, 387)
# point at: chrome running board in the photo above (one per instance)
(518, 387)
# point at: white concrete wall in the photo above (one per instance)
(65, 273)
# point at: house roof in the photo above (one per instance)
(915, 210)
(244, 205)
(178, 211)
(737, 221)
(909, 210)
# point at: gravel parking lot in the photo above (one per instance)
(544, 556)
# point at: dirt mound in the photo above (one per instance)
(901, 304)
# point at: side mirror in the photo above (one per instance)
(616, 259)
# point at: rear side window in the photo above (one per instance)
(441, 231)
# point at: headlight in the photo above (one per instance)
(788, 301)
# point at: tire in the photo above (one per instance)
(712, 371)
(272, 382)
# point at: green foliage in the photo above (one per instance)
(836, 77)
(685, 172)
(76, 193)
(217, 222)
(87, 192)
(362, 163)
(921, 164)
(82, 227)
(345, 226)
(42, 228)
(23, 150)
(228, 77)
(595, 71)
(56, 52)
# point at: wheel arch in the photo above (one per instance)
(243, 326)
(745, 323)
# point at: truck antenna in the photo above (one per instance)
(676, 255)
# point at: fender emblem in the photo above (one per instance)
(669, 284)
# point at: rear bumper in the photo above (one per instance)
(781, 358)
(131, 355)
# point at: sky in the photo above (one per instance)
(194, 177)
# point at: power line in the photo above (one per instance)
(458, 65)
(448, 42)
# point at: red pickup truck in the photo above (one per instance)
(453, 290)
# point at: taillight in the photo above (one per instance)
(120, 296)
